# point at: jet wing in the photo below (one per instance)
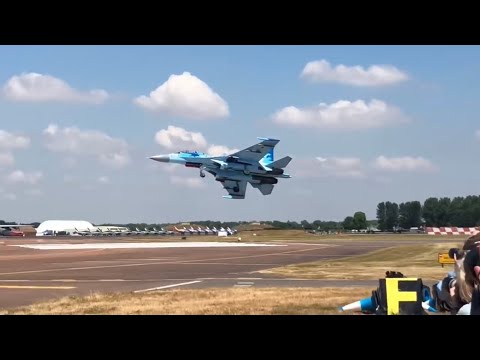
(232, 185)
(256, 152)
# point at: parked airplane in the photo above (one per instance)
(254, 165)
(182, 231)
(12, 230)
(167, 232)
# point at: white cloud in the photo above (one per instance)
(112, 152)
(35, 87)
(177, 139)
(477, 134)
(219, 150)
(69, 179)
(10, 196)
(6, 159)
(10, 141)
(69, 162)
(375, 75)
(190, 182)
(340, 167)
(19, 176)
(187, 96)
(33, 192)
(341, 115)
(406, 163)
(319, 167)
(104, 180)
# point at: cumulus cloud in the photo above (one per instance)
(219, 150)
(177, 139)
(6, 159)
(190, 182)
(69, 179)
(320, 167)
(35, 87)
(405, 163)
(374, 75)
(10, 196)
(343, 114)
(33, 192)
(18, 176)
(9, 141)
(112, 152)
(187, 96)
(104, 180)
(340, 167)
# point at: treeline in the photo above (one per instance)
(459, 211)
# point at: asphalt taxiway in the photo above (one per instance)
(33, 270)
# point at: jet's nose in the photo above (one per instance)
(161, 158)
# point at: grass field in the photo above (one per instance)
(411, 260)
(232, 301)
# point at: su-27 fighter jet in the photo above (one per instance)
(254, 165)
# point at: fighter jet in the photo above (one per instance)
(254, 165)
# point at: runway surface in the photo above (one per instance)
(33, 270)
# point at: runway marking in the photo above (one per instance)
(179, 262)
(244, 284)
(35, 287)
(139, 245)
(168, 286)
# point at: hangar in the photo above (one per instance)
(50, 226)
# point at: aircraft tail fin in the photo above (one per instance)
(268, 158)
(281, 163)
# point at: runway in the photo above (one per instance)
(33, 270)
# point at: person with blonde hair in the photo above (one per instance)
(464, 288)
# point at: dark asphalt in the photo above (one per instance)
(31, 275)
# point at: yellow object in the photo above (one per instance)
(443, 259)
(394, 295)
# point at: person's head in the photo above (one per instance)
(471, 263)
(467, 267)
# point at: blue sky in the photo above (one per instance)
(364, 124)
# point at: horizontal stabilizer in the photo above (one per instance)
(265, 189)
(281, 163)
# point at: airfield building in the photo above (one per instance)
(50, 227)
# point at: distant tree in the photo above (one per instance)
(410, 214)
(305, 224)
(391, 218)
(348, 223)
(382, 216)
(443, 211)
(429, 211)
(457, 213)
(359, 220)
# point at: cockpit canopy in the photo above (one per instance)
(191, 153)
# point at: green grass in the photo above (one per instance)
(411, 260)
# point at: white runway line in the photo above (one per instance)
(156, 245)
(168, 286)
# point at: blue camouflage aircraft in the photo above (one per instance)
(254, 165)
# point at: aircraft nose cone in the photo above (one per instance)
(161, 158)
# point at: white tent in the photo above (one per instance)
(63, 225)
